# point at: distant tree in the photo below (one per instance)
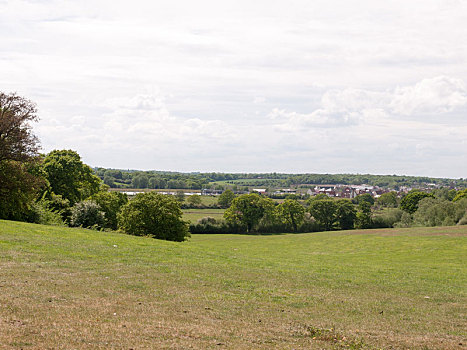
(324, 212)
(69, 177)
(363, 219)
(155, 215)
(409, 203)
(365, 197)
(247, 210)
(226, 198)
(318, 197)
(388, 200)
(109, 180)
(180, 196)
(345, 214)
(291, 213)
(194, 199)
(20, 176)
(459, 195)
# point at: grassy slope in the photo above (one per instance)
(73, 288)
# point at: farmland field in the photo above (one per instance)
(63, 288)
(193, 215)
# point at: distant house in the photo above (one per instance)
(259, 190)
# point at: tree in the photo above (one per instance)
(388, 199)
(110, 203)
(460, 195)
(247, 210)
(87, 214)
(226, 198)
(363, 219)
(180, 196)
(17, 142)
(345, 214)
(365, 197)
(324, 212)
(194, 199)
(69, 177)
(290, 213)
(20, 176)
(409, 203)
(155, 215)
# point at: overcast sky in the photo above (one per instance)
(245, 86)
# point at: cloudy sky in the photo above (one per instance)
(258, 86)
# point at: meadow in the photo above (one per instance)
(64, 288)
(193, 215)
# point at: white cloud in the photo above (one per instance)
(430, 96)
(247, 86)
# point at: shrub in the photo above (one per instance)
(155, 215)
(42, 213)
(110, 203)
(209, 225)
(87, 214)
(386, 219)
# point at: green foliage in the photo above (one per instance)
(409, 203)
(365, 197)
(20, 177)
(388, 200)
(387, 218)
(318, 197)
(42, 213)
(19, 186)
(291, 213)
(155, 215)
(460, 195)
(69, 177)
(180, 196)
(345, 214)
(247, 210)
(194, 200)
(87, 214)
(226, 198)
(444, 193)
(363, 219)
(324, 212)
(439, 212)
(110, 203)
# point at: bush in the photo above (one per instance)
(110, 203)
(87, 214)
(42, 213)
(155, 215)
(386, 219)
(209, 225)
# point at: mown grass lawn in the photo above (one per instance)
(64, 288)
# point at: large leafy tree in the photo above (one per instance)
(324, 212)
(110, 203)
(226, 198)
(291, 213)
(248, 209)
(345, 214)
(17, 142)
(69, 177)
(410, 202)
(20, 177)
(155, 215)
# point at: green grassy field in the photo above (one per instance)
(63, 288)
(193, 215)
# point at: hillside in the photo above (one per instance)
(82, 289)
